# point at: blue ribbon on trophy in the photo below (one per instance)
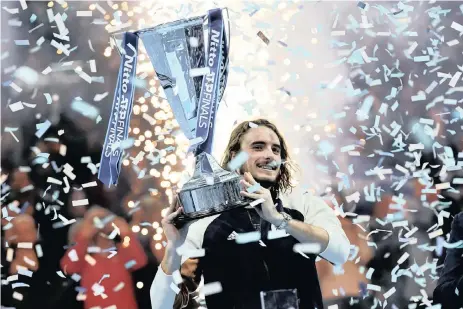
(190, 58)
(118, 127)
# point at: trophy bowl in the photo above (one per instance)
(211, 190)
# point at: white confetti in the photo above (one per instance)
(46, 70)
(434, 234)
(238, 161)
(89, 259)
(60, 46)
(22, 43)
(403, 258)
(119, 287)
(82, 202)
(256, 202)
(48, 97)
(9, 254)
(99, 97)
(25, 245)
(212, 288)
(89, 184)
(389, 293)
(83, 75)
(38, 249)
(174, 288)
(84, 13)
(442, 186)
(16, 106)
(60, 273)
(17, 296)
(73, 255)
(25, 272)
(177, 277)
(455, 78)
(199, 71)
(54, 180)
(243, 238)
(457, 26)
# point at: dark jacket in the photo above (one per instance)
(451, 277)
(244, 270)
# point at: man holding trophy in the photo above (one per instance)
(256, 244)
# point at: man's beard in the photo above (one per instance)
(265, 183)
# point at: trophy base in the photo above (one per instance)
(184, 218)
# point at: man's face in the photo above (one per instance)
(263, 147)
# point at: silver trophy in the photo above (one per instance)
(190, 58)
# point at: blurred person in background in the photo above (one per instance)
(46, 208)
(345, 285)
(103, 251)
(144, 217)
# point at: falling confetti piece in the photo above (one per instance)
(238, 161)
(194, 72)
(89, 184)
(256, 202)
(16, 106)
(119, 287)
(42, 128)
(244, 238)
(174, 288)
(274, 234)
(17, 296)
(212, 288)
(253, 188)
(25, 245)
(84, 13)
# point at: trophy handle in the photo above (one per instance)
(115, 40)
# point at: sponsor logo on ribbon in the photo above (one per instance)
(121, 110)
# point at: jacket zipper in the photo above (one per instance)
(266, 270)
(263, 260)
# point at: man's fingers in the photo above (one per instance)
(172, 216)
(172, 205)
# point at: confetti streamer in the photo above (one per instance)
(84, 13)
